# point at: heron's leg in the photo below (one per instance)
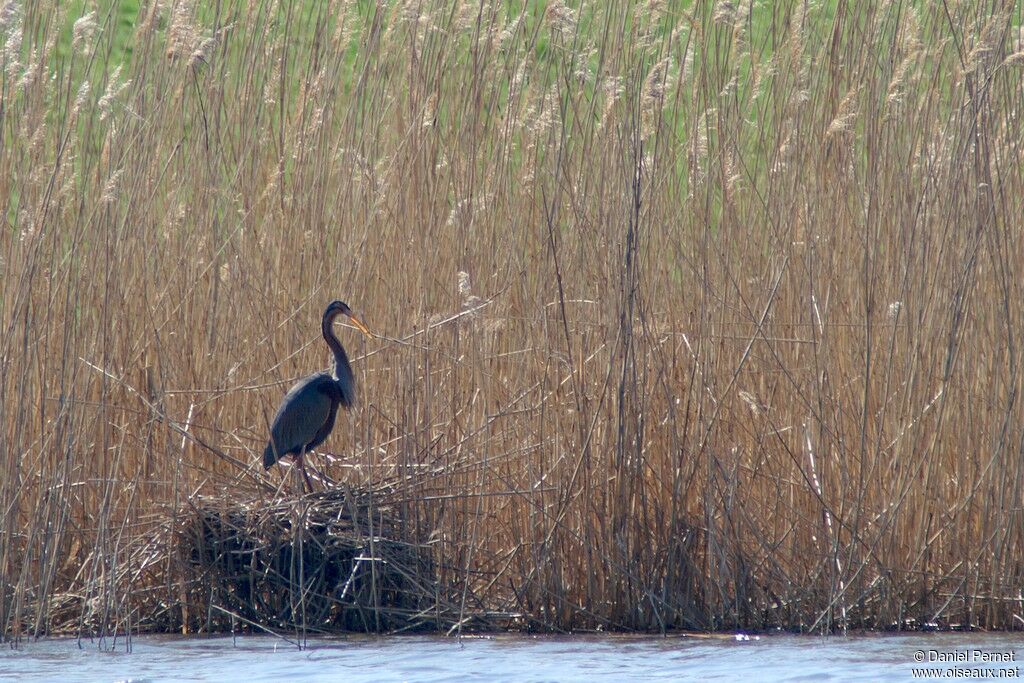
(305, 474)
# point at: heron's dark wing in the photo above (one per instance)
(303, 412)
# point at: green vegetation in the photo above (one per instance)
(692, 315)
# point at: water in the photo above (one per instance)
(512, 658)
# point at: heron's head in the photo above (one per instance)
(336, 308)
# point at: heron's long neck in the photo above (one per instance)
(341, 365)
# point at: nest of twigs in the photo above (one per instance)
(323, 562)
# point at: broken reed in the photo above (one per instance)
(730, 289)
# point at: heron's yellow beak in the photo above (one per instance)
(359, 325)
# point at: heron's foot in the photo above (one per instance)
(305, 465)
(307, 482)
(300, 462)
(322, 475)
(332, 457)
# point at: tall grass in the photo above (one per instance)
(691, 315)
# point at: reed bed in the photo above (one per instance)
(690, 315)
(324, 563)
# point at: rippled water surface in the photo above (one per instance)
(515, 658)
